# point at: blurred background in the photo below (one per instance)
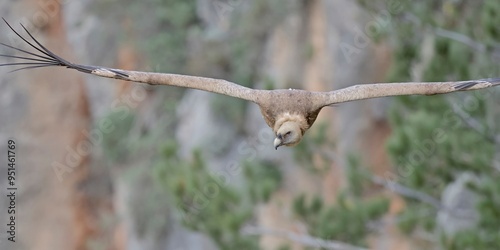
(106, 164)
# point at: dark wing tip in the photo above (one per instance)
(469, 84)
(119, 73)
(42, 57)
(494, 81)
(465, 85)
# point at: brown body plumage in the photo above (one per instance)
(289, 119)
(288, 112)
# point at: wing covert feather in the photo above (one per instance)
(43, 57)
(375, 90)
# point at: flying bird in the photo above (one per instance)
(288, 112)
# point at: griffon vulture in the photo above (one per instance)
(289, 112)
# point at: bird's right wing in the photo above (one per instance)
(45, 58)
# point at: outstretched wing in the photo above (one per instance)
(45, 58)
(367, 91)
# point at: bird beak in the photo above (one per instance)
(277, 143)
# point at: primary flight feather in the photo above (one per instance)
(289, 112)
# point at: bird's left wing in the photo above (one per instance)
(45, 58)
(368, 91)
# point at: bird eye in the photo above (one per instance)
(288, 133)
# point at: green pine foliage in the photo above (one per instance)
(166, 47)
(431, 144)
(205, 201)
(209, 202)
(263, 179)
(347, 220)
(315, 141)
(114, 144)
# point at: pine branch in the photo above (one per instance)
(407, 192)
(305, 240)
(474, 124)
(458, 37)
(417, 195)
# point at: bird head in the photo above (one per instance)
(289, 134)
